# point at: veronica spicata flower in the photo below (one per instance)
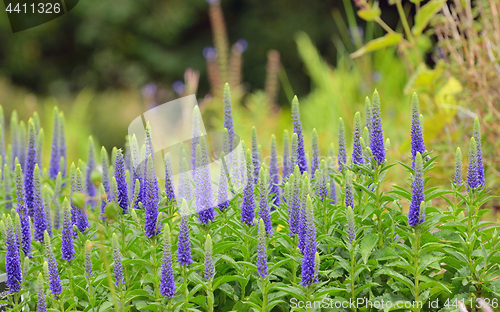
(309, 274)
(297, 128)
(167, 283)
(274, 175)
(377, 135)
(54, 151)
(480, 166)
(204, 195)
(342, 155)
(457, 178)
(67, 247)
(209, 265)
(417, 139)
(315, 153)
(415, 216)
(54, 280)
(357, 151)
(287, 165)
(264, 210)
(248, 202)
(121, 183)
(255, 155)
(472, 173)
(22, 211)
(169, 182)
(228, 115)
(261, 251)
(184, 245)
(12, 258)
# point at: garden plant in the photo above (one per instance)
(300, 232)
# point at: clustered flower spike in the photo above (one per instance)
(151, 200)
(203, 182)
(137, 170)
(261, 251)
(39, 218)
(287, 165)
(228, 115)
(457, 178)
(294, 158)
(472, 173)
(22, 145)
(88, 259)
(415, 215)
(342, 156)
(121, 183)
(357, 150)
(41, 305)
(248, 202)
(417, 139)
(167, 283)
(67, 247)
(377, 135)
(54, 152)
(91, 191)
(62, 144)
(222, 201)
(321, 181)
(29, 168)
(349, 191)
(184, 244)
(480, 166)
(315, 153)
(255, 155)
(274, 175)
(54, 280)
(81, 219)
(309, 271)
(294, 201)
(117, 258)
(169, 182)
(264, 210)
(302, 232)
(209, 265)
(12, 258)
(105, 179)
(297, 128)
(22, 211)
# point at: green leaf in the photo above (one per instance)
(379, 43)
(425, 14)
(367, 244)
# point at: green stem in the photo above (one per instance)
(353, 296)
(308, 295)
(108, 270)
(404, 21)
(416, 248)
(122, 297)
(294, 264)
(264, 295)
(70, 276)
(210, 296)
(186, 283)
(378, 208)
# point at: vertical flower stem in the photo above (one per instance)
(70, 276)
(122, 297)
(91, 292)
(186, 283)
(308, 295)
(108, 270)
(416, 247)
(353, 296)
(294, 264)
(210, 296)
(377, 207)
(264, 294)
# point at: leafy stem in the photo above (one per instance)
(264, 293)
(353, 260)
(416, 247)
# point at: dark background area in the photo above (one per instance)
(127, 43)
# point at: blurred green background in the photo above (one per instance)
(106, 62)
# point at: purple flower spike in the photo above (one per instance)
(349, 191)
(264, 210)
(29, 168)
(351, 229)
(167, 283)
(472, 173)
(248, 203)
(54, 152)
(62, 143)
(262, 252)
(91, 191)
(54, 280)
(287, 165)
(274, 175)
(169, 182)
(255, 155)
(41, 304)
(12, 258)
(480, 166)
(222, 202)
(39, 217)
(297, 128)
(377, 136)
(415, 215)
(309, 271)
(151, 199)
(457, 179)
(417, 138)
(67, 247)
(357, 150)
(88, 259)
(117, 258)
(22, 211)
(204, 194)
(184, 245)
(105, 178)
(228, 116)
(342, 157)
(121, 183)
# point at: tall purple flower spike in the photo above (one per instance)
(377, 136)
(228, 116)
(22, 211)
(121, 183)
(309, 271)
(29, 168)
(415, 215)
(54, 152)
(472, 172)
(91, 189)
(151, 200)
(480, 166)
(262, 251)
(417, 138)
(274, 175)
(184, 244)
(12, 258)
(297, 128)
(203, 182)
(169, 181)
(39, 218)
(167, 283)
(357, 150)
(315, 153)
(248, 202)
(342, 157)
